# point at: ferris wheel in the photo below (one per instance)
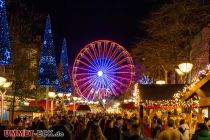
(101, 69)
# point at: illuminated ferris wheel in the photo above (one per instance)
(101, 69)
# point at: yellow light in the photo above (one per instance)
(60, 95)
(74, 98)
(51, 94)
(68, 94)
(7, 84)
(125, 101)
(179, 109)
(185, 67)
(26, 103)
(160, 82)
(2, 81)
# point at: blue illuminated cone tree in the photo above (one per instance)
(65, 80)
(47, 62)
(5, 48)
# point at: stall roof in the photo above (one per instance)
(27, 109)
(159, 92)
(83, 108)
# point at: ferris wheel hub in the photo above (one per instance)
(100, 73)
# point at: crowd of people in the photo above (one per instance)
(106, 127)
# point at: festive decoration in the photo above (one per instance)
(145, 80)
(101, 69)
(5, 49)
(201, 74)
(65, 81)
(47, 63)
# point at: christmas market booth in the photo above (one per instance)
(26, 111)
(158, 99)
(198, 91)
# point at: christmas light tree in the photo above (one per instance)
(65, 81)
(5, 49)
(47, 63)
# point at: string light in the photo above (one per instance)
(201, 74)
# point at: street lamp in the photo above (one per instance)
(68, 94)
(60, 95)
(4, 85)
(185, 67)
(74, 111)
(51, 95)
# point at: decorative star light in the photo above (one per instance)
(41, 70)
(1, 3)
(45, 42)
(50, 31)
(7, 54)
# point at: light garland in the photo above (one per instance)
(201, 74)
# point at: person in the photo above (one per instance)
(108, 132)
(95, 132)
(184, 129)
(202, 132)
(117, 129)
(170, 133)
(146, 127)
(84, 134)
(61, 128)
(135, 133)
(40, 126)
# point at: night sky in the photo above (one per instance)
(84, 21)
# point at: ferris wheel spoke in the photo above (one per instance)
(87, 65)
(119, 77)
(117, 64)
(84, 69)
(124, 66)
(110, 50)
(113, 91)
(90, 61)
(96, 55)
(118, 72)
(93, 57)
(85, 74)
(113, 53)
(83, 79)
(118, 82)
(118, 56)
(115, 60)
(90, 85)
(117, 87)
(89, 82)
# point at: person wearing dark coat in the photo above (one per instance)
(117, 129)
(202, 132)
(135, 133)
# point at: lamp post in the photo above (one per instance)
(184, 68)
(74, 111)
(4, 85)
(60, 95)
(51, 95)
